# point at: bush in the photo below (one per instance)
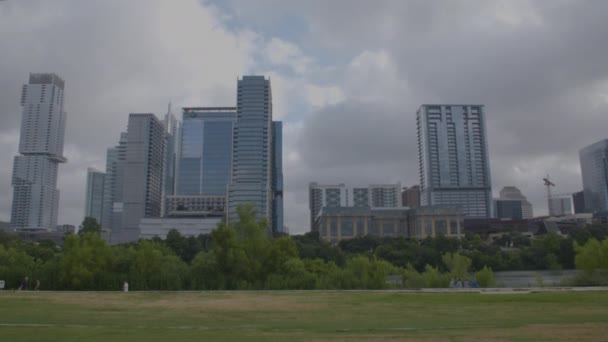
(485, 277)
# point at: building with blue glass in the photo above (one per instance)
(594, 171)
(205, 155)
(453, 158)
(277, 177)
(255, 180)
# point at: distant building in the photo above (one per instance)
(378, 196)
(252, 149)
(35, 169)
(277, 178)
(411, 197)
(453, 157)
(578, 199)
(508, 209)
(324, 195)
(142, 175)
(339, 223)
(594, 171)
(513, 193)
(160, 227)
(560, 206)
(94, 194)
(192, 206)
(172, 132)
(113, 185)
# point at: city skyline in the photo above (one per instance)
(331, 115)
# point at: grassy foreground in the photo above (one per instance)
(302, 316)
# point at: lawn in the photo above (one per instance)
(302, 316)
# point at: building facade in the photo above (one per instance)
(160, 227)
(513, 193)
(340, 223)
(410, 197)
(578, 200)
(325, 195)
(34, 178)
(205, 154)
(559, 206)
(508, 209)
(252, 157)
(378, 196)
(277, 178)
(113, 184)
(453, 158)
(594, 171)
(142, 176)
(94, 194)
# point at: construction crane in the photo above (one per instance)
(548, 184)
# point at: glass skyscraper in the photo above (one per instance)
(34, 180)
(252, 149)
(94, 195)
(277, 177)
(453, 158)
(594, 170)
(206, 151)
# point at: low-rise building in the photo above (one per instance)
(160, 227)
(339, 223)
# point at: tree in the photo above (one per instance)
(89, 225)
(457, 264)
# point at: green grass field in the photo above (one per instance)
(302, 316)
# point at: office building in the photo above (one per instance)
(513, 193)
(205, 156)
(252, 150)
(193, 226)
(113, 184)
(453, 158)
(594, 171)
(578, 200)
(559, 206)
(34, 178)
(410, 197)
(94, 194)
(508, 209)
(277, 178)
(172, 131)
(325, 196)
(142, 176)
(378, 196)
(335, 224)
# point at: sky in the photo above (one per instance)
(347, 78)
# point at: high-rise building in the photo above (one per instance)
(453, 158)
(34, 179)
(142, 176)
(559, 206)
(172, 129)
(378, 196)
(277, 178)
(112, 194)
(94, 195)
(513, 193)
(252, 149)
(205, 157)
(411, 197)
(321, 196)
(578, 199)
(594, 171)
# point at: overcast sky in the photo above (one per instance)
(347, 78)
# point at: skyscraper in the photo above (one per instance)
(94, 195)
(172, 129)
(252, 149)
(594, 171)
(142, 176)
(277, 177)
(34, 179)
(112, 194)
(206, 151)
(513, 193)
(453, 158)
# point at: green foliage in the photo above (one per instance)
(592, 262)
(485, 277)
(89, 225)
(457, 264)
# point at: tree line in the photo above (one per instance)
(242, 256)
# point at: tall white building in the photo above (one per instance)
(34, 179)
(453, 158)
(513, 193)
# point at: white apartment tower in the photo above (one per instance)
(34, 179)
